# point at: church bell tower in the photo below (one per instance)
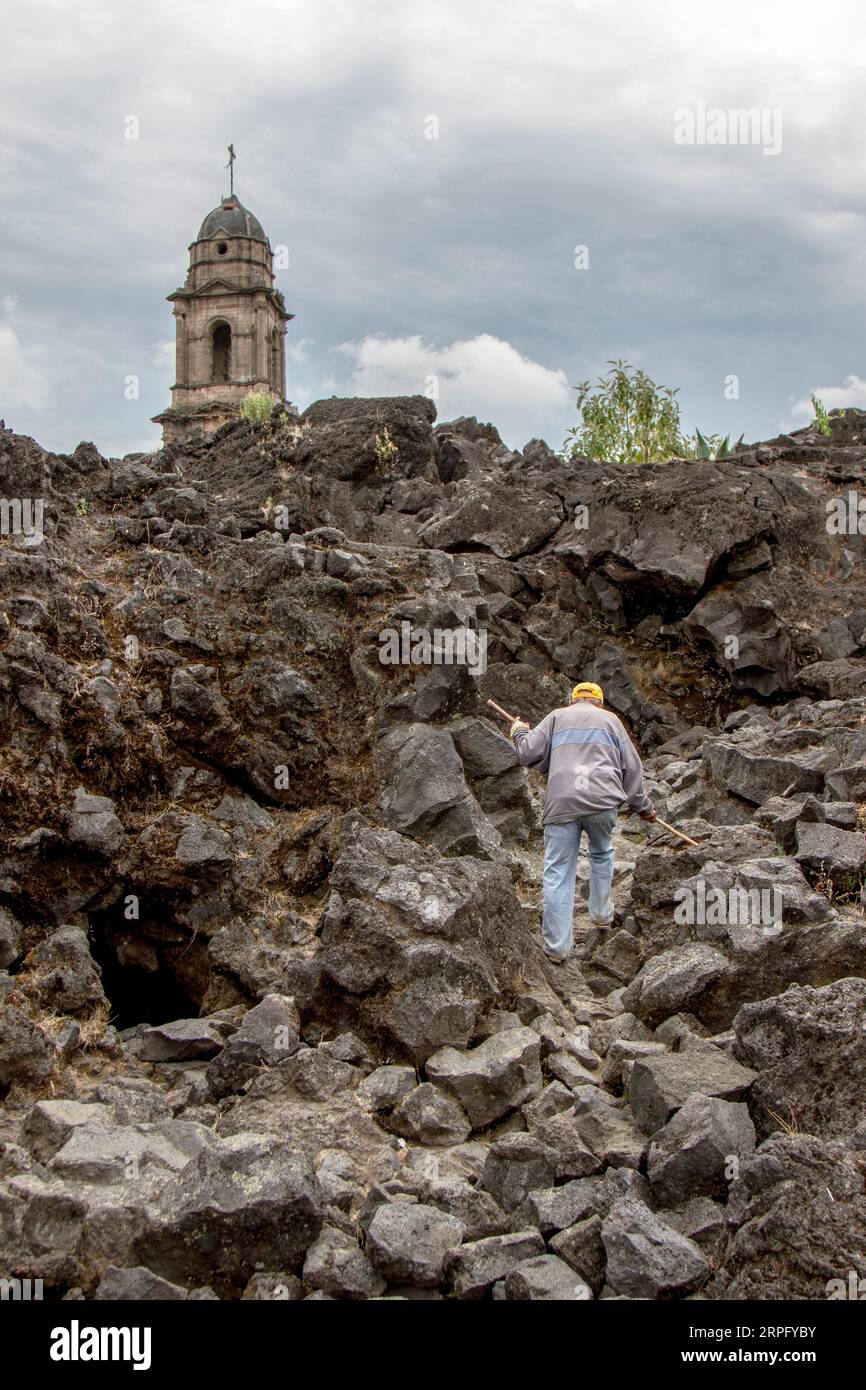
(230, 324)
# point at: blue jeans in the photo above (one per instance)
(561, 850)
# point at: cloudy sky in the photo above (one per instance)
(434, 168)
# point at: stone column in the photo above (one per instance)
(180, 349)
(261, 368)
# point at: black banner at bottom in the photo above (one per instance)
(64, 1339)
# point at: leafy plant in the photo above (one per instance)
(257, 407)
(822, 418)
(626, 418)
(81, 506)
(385, 449)
(712, 446)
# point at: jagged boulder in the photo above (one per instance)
(764, 660)
(608, 1131)
(841, 854)
(582, 1247)
(476, 1209)
(783, 816)
(479, 1264)
(49, 1124)
(267, 1036)
(386, 1087)
(516, 1165)
(834, 679)
(10, 939)
(692, 1154)
(755, 773)
(91, 822)
(497, 782)
(430, 1116)
(681, 978)
(26, 1052)
(179, 1041)
(258, 954)
(561, 1133)
(106, 1154)
(493, 1078)
(759, 926)
(659, 1086)
(546, 1278)
(797, 1222)
(410, 1243)
(555, 1208)
(64, 973)
(510, 519)
(425, 793)
(338, 438)
(139, 1285)
(647, 1258)
(418, 945)
(808, 1047)
(246, 1200)
(336, 1265)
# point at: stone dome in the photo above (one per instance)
(232, 218)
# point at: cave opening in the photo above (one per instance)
(147, 978)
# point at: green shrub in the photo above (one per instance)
(385, 449)
(822, 419)
(257, 407)
(626, 418)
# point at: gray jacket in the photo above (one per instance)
(590, 761)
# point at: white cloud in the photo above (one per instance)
(833, 397)
(25, 386)
(557, 123)
(481, 376)
(298, 352)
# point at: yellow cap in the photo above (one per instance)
(587, 691)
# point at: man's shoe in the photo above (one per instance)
(558, 957)
(601, 922)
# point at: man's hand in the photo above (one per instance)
(648, 815)
(517, 725)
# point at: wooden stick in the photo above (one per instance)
(674, 831)
(512, 718)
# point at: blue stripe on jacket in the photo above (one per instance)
(585, 736)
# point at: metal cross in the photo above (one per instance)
(231, 168)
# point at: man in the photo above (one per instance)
(592, 767)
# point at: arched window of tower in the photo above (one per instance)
(222, 353)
